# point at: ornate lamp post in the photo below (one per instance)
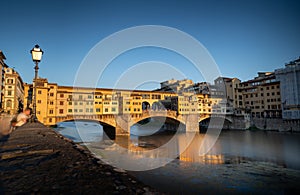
(36, 54)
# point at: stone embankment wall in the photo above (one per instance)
(270, 124)
(276, 124)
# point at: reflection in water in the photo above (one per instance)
(239, 162)
(231, 147)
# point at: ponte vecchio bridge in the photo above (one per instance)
(122, 123)
(119, 109)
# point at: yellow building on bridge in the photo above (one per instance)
(54, 101)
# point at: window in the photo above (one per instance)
(278, 93)
(268, 94)
(106, 110)
(70, 103)
(51, 103)
(8, 103)
(39, 92)
(51, 111)
(9, 92)
(272, 87)
(10, 81)
(50, 120)
(39, 101)
(91, 110)
(80, 110)
(80, 97)
(80, 103)
(97, 109)
(61, 111)
(89, 97)
(61, 103)
(75, 110)
(268, 88)
(51, 94)
(69, 110)
(70, 97)
(87, 110)
(61, 95)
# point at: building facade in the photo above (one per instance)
(177, 86)
(54, 101)
(261, 96)
(233, 96)
(13, 92)
(2, 80)
(289, 78)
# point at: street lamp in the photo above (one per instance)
(36, 54)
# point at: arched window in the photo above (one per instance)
(8, 103)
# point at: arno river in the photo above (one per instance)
(239, 161)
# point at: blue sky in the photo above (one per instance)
(243, 37)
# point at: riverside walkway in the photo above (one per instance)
(36, 159)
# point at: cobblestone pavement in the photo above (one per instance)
(35, 159)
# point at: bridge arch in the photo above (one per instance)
(220, 117)
(146, 105)
(103, 120)
(204, 121)
(157, 106)
(148, 117)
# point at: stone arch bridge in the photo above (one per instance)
(122, 123)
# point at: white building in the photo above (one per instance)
(289, 78)
(177, 86)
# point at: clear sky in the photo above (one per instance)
(243, 36)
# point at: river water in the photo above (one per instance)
(238, 162)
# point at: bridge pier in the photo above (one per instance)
(122, 130)
(191, 123)
(123, 125)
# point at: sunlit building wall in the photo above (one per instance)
(13, 92)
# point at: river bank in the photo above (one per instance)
(36, 159)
